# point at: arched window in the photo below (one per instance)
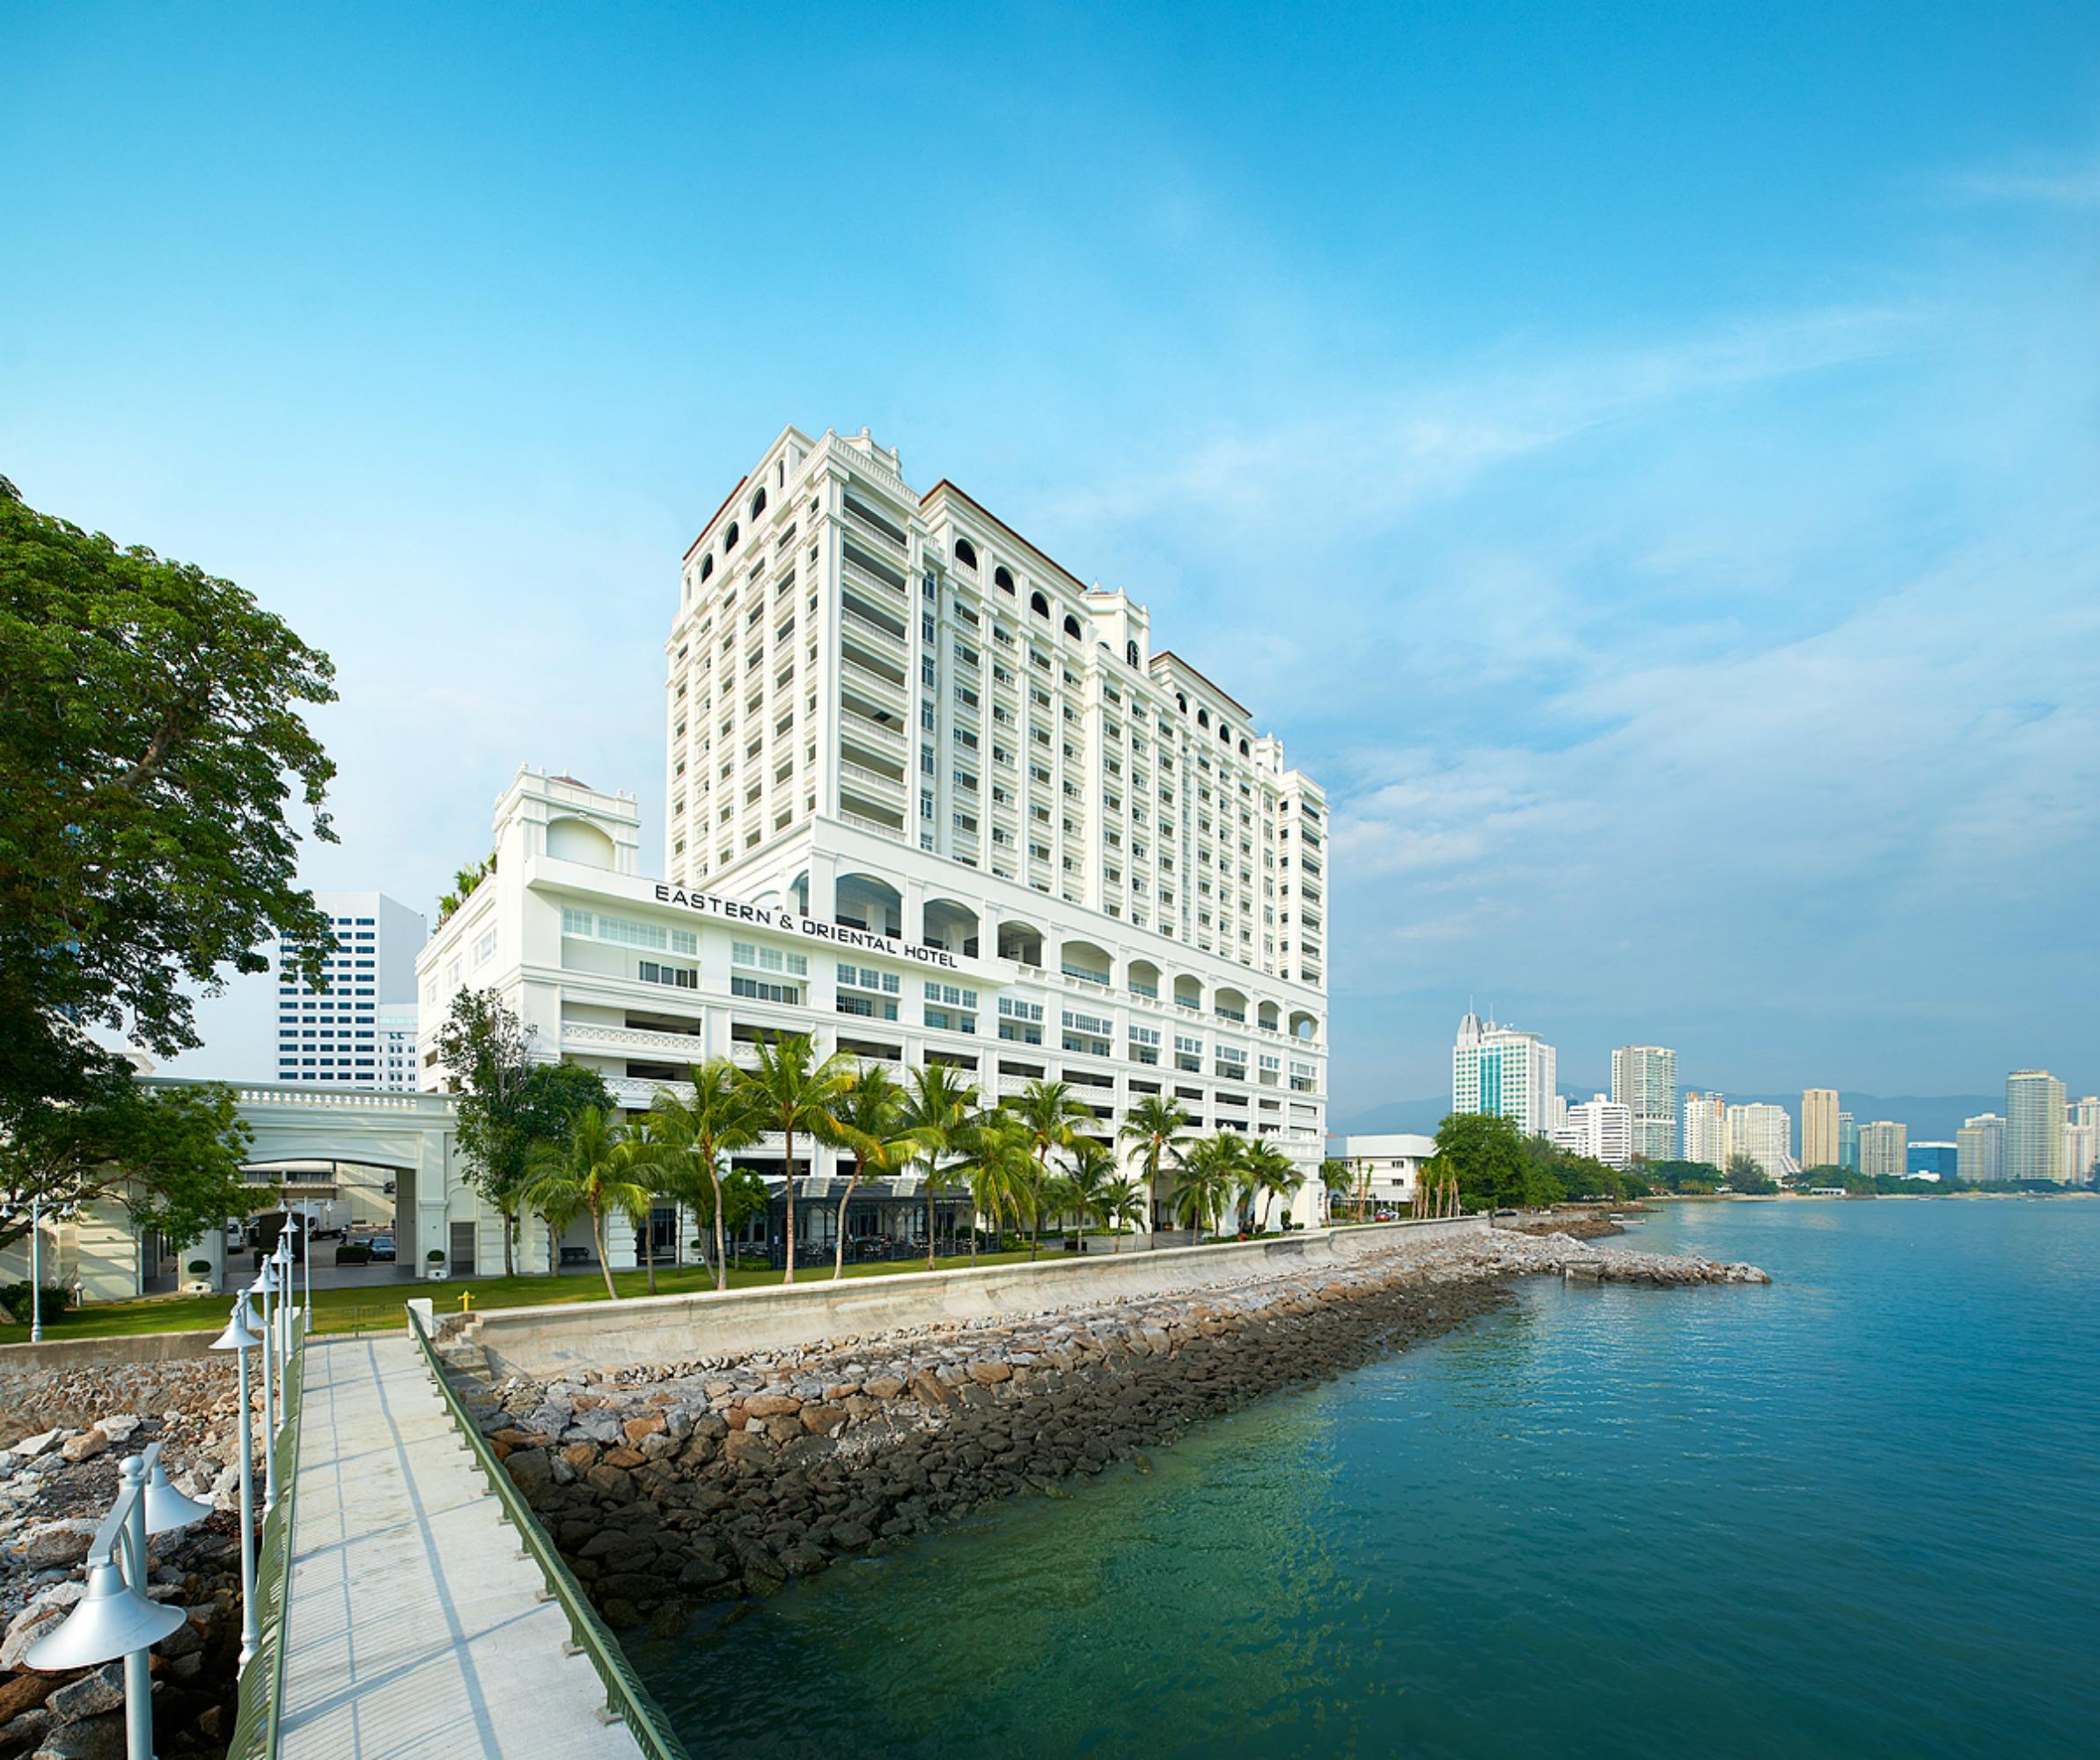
(1003, 578)
(965, 553)
(758, 503)
(1071, 626)
(1038, 605)
(1180, 703)
(1224, 734)
(729, 542)
(706, 565)
(1202, 717)
(1130, 653)
(1243, 749)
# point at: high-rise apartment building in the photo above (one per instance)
(1644, 1082)
(1764, 1133)
(1820, 1117)
(332, 1032)
(1980, 1150)
(1848, 1142)
(1706, 1129)
(2034, 1125)
(1502, 1071)
(2081, 1141)
(1885, 1149)
(1603, 1129)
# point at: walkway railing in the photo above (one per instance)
(257, 1727)
(627, 1699)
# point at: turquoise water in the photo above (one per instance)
(1850, 1515)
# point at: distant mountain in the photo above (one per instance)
(1930, 1118)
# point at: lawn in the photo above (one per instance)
(379, 1307)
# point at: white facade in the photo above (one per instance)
(1764, 1133)
(1644, 1082)
(1706, 1129)
(1601, 1128)
(2034, 1125)
(331, 1033)
(1885, 1149)
(1980, 1150)
(1388, 1164)
(1499, 1070)
(2081, 1140)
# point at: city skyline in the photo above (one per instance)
(1612, 508)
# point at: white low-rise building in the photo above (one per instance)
(1387, 1165)
(1601, 1128)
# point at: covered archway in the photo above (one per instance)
(1144, 978)
(1305, 1025)
(861, 901)
(1021, 941)
(1080, 959)
(1266, 1017)
(1228, 1004)
(950, 926)
(1188, 992)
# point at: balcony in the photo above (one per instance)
(862, 822)
(872, 734)
(592, 1036)
(891, 640)
(861, 776)
(867, 678)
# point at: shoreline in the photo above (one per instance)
(668, 1486)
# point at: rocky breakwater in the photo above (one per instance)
(65, 1432)
(668, 1485)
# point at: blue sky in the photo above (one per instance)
(1642, 459)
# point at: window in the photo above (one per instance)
(1003, 578)
(769, 958)
(1038, 605)
(1072, 627)
(706, 565)
(758, 503)
(965, 553)
(1130, 653)
(867, 978)
(729, 542)
(763, 990)
(483, 949)
(679, 977)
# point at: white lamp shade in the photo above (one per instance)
(109, 1621)
(266, 1280)
(240, 1334)
(167, 1508)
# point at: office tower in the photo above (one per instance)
(1819, 1117)
(330, 1033)
(2081, 1141)
(1499, 1070)
(1644, 1082)
(1764, 1133)
(1980, 1150)
(1885, 1149)
(2034, 1125)
(1848, 1142)
(1601, 1128)
(1706, 1129)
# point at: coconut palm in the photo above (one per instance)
(1158, 1127)
(1336, 1176)
(1124, 1202)
(872, 1127)
(642, 1161)
(792, 1092)
(698, 1133)
(1001, 1168)
(1052, 1115)
(940, 1111)
(1084, 1191)
(587, 1172)
(1205, 1172)
(1274, 1175)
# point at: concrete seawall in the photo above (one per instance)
(551, 1341)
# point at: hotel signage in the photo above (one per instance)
(765, 917)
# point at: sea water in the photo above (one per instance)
(1852, 1514)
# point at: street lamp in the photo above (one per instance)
(262, 1286)
(240, 1339)
(114, 1618)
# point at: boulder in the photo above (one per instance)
(635, 1428)
(772, 1405)
(86, 1445)
(883, 1387)
(530, 1470)
(53, 1543)
(989, 1373)
(90, 1696)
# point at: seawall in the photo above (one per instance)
(545, 1342)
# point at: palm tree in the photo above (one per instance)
(1204, 1173)
(1051, 1114)
(1274, 1177)
(585, 1173)
(938, 1110)
(1158, 1127)
(1001, 1168)
(872, 1128)
(791, 1091)
(1336, 1176)
(1124, 1201)
(699, 1132)
(1234, 1179)
(1084, 1190)
(644, 1159)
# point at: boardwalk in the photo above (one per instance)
(414, 1626)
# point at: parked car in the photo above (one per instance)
(382, 1247)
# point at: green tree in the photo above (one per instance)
(1272, 1177)
(1158, 1126)
(150, 740)
(508, 1100)
(1338, 1179)
(1052, 1115)
(1206, 1172)
(1744, 1175)
(1083, 1193)
(1125, 1202)
(642, 1164)
(793, 1092)
(874, 1128)
(940, 1111)
(1483, 1155)
(171, 1157)
(590, 1173)
(698, 1133)
(1001, 1168)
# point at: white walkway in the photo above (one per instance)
(414, 1627)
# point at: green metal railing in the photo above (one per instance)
(257, 1727)
(627, 1699)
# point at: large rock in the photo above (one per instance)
(772, 1405)
(53, 1543)
(530, 1470)
(90, 1696)
(86, 1445)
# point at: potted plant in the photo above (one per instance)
(200, 1272)
(435, 1260)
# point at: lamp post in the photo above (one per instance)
(114, 1618)
(240, 1339)
(262, 1286)
(36, 1269)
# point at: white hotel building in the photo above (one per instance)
(930, 798)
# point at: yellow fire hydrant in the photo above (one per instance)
(466, 1300)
